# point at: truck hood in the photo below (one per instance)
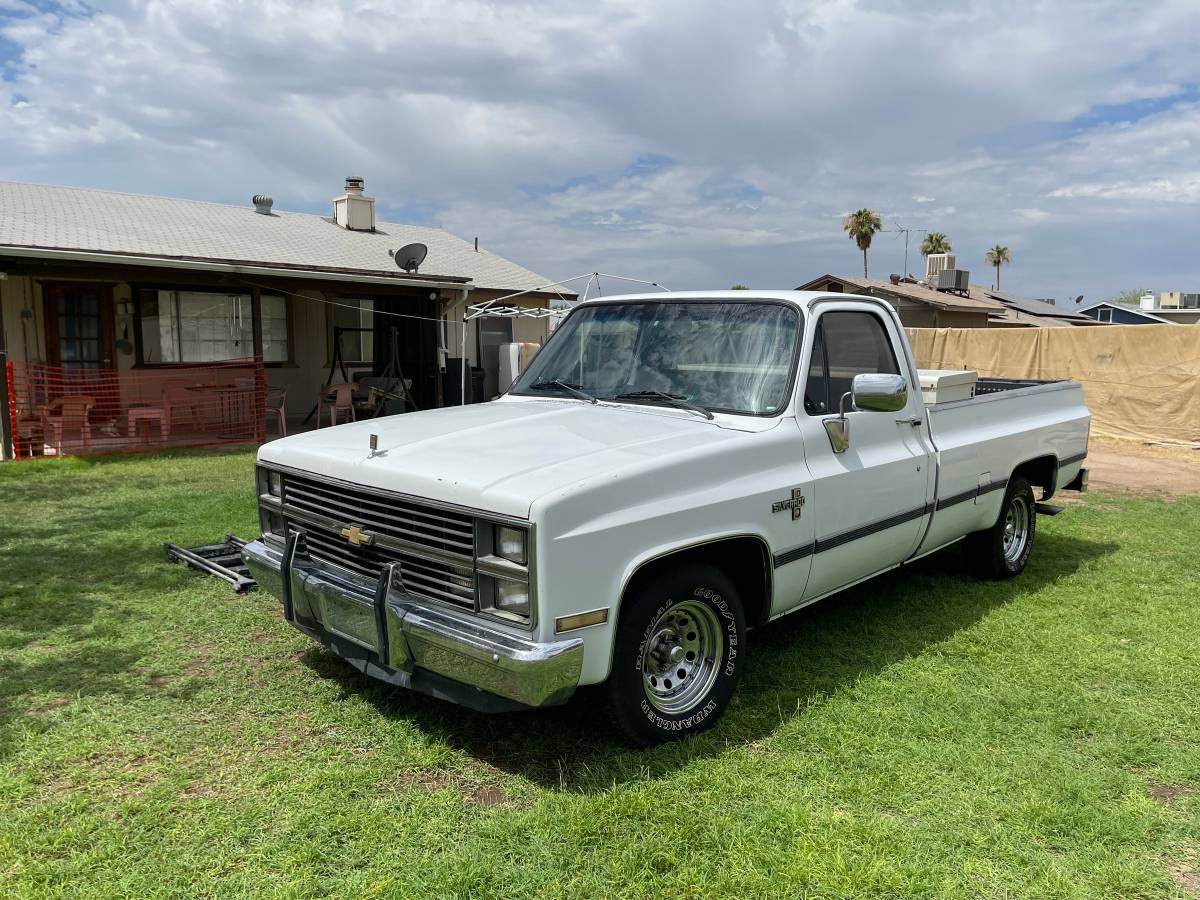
(501, 456)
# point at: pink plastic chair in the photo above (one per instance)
(277, 407)
(72, 417)
(343, 401)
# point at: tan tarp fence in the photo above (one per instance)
(1140, 381)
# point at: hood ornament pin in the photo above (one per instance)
(374, 442)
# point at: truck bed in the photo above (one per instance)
(981, 440)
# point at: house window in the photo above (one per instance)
(273, 309)
(356, 315)
(1104, 314)
(200, 326)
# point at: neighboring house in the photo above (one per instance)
(921, 306)
(1109, 311)
(1043, 313)
(1174, 306)
(1179, 316)
(94, 279)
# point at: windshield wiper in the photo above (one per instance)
(673, 399)
(569, 388)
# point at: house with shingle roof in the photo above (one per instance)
(922, 306)
(94, 279)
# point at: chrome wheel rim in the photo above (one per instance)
(1016, 529)
(682, 657)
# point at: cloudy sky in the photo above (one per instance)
(693, 143)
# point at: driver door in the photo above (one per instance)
(870, 502)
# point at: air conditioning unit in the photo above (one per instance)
(936, 263)
(953, 280)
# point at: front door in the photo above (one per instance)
(79, 326)
(869, 502)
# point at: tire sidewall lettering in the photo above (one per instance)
(709, 707)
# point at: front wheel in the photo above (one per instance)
(680, 647)
(1003, 550)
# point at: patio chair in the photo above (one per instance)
(72, 417)
(183, 404)
(342, 396)
(277, 407)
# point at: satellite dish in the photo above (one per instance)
(410, 256)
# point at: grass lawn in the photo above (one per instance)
(920, 735)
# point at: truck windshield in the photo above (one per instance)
(729, 356)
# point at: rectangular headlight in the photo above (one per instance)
(511, 544)
(275, 484)
(512, 597)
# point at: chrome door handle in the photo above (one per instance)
(914, 421)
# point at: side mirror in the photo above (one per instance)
(869, 392)
(879, 393)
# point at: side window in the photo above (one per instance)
(849, 343)
(816, 387)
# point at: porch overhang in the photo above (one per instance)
(308, 273)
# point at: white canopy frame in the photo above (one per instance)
(495, 309)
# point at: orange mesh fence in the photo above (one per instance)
(63, 411)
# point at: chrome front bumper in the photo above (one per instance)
(392, 635)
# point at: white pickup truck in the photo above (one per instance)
(670, 471)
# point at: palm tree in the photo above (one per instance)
(861, 226)
(998, 256)
(935, 242)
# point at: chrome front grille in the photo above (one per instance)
(435, 548)
(427, 526)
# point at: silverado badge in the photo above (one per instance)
(355, 535)
(794, 503)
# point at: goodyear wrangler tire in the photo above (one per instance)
(680, 649)
(1002, 551)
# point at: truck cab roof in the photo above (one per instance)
(802, 299)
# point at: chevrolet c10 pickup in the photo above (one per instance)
(668, 472)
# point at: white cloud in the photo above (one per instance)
(696, 144)
(1032, 215)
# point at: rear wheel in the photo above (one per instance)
(1002, 551)
(680, 645)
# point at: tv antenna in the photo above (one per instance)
(900, 229)
(409, 257)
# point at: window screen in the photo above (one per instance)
(846, 344)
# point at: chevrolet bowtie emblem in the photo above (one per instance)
(356, 535)
(795, 503)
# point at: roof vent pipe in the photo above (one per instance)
(262, 204)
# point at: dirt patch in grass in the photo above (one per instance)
(1131, 467)
(1186, 878)
(1167, 793)
(102, 776)
(474, 794)
(49, 706)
